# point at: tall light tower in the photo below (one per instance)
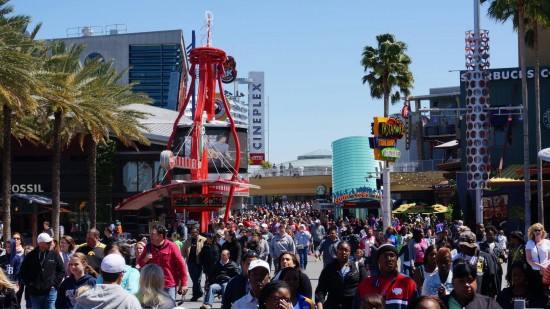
(477, 111)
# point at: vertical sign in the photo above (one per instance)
(256, 118)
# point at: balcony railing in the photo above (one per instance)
(294, 172)
(417, 166)
(438, 130)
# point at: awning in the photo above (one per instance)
(452, 144)
(22, 203)
(363, 202)
(215, 186)
(39, 199)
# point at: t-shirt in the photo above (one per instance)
(398, 291)
(539, 254)
(94, 256)
(433, 282)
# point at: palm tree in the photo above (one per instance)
(538, 13)
(387, 67)
(503, 10)
(62, 78)
(85, 103)
(17, 84)
(117, 119)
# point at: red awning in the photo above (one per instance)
(218, 186)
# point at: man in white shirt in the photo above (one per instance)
(258, 277)
(501, 238)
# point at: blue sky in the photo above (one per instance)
(309, 50)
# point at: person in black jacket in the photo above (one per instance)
(224, 270)
(209, 255)
(333, 291)
(232, 244)
(42, 271)
(238, 286)
(486, 276)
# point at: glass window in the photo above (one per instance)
(145, 48)
(137, 176)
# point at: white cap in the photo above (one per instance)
(113, 264)
(258, 263)
(264, 225)
(44, 237)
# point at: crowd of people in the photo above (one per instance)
(258, 260)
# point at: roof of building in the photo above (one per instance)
(317, 158)
(159, 122)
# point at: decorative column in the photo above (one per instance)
(477, 116)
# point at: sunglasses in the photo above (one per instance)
(537, 231)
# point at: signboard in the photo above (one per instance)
(27, 188)
(386, 132)
(256, 118)
(169, 161)
(230, 68)
(495, 207)
(363, 192)
(224, 189)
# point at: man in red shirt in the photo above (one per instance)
(167, 255)
(397, 289)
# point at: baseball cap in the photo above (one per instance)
(264, 225)
(220, 232)
(113, 264)
(44, 237)
(209, 235)
(258, 263)
(384, 248)
(467, 239)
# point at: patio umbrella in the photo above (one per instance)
(420, 208)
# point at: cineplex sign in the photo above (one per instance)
(386, 132)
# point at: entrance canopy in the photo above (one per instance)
(23, 201)
(363, 202)
(180, 187)
(452, 144)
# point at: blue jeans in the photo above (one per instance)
(195, 272)
(213, 289)
(171, 291)
(302, 253)
(44, 301)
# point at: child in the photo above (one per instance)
(360, 256)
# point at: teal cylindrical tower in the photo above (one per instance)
(352, 160)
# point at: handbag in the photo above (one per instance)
(546, 276)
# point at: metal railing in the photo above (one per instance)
(417, 166)
(294, 172)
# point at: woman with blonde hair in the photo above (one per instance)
(138, 249)
(151, 289)
(7, 292)
(82, 274)
(537, 249)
